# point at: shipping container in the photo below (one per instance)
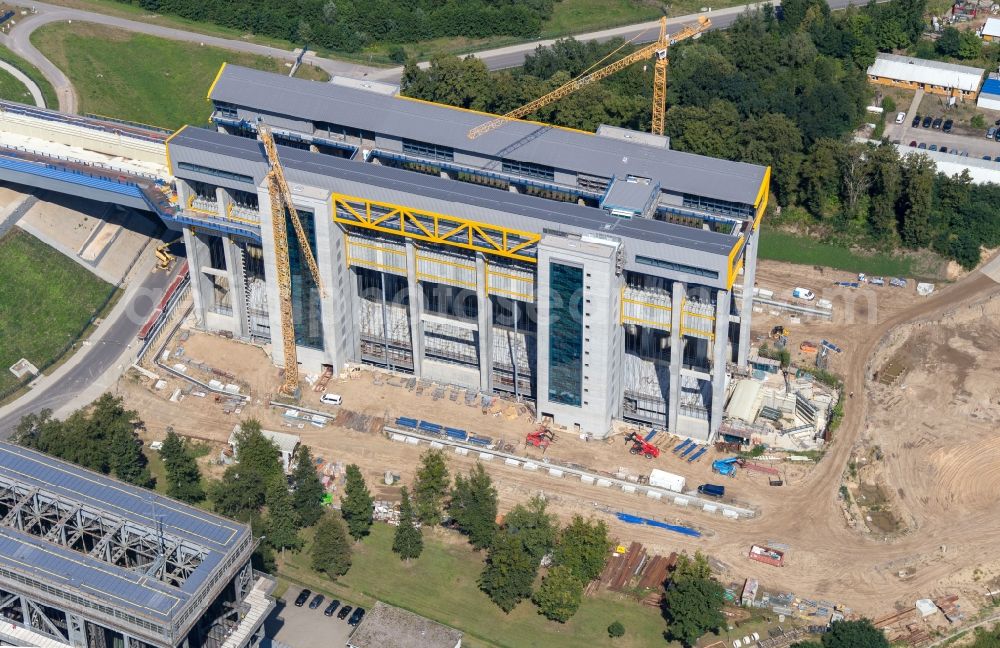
(767, 555)
(669, 481)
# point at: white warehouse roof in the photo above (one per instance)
(991, 28)
(981, 171)
(907, 68)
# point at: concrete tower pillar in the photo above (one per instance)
(197, 254)
(416, 298)
(720, 352)
(746, 310)
(678, 293)
(485, 310)
(222, 200)
(237, 287)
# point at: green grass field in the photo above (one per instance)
(13, 90)
(568, 17)
(142, 78)
(441, 585)
(46, 301)
(782, 246)
(48, 92)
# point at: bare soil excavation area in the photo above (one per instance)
(924, 444)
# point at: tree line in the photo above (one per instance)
(783, 89)
(519, 547)
(351, 25)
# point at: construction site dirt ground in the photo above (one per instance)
(933, 426)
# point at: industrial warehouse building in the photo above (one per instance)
(989, 96)
(948, 79)
(88, 561)
(591, 274)
(991, 30)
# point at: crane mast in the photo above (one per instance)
(657, 49)
(282, 204)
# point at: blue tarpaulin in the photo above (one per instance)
(635, 519)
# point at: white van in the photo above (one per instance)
(332, 399)
(803, 293)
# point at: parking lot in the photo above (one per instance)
(300, 627)
(962, 139)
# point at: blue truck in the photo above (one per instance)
(712, 490)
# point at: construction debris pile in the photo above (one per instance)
(919, 625)
(388, 512)
(634, 572)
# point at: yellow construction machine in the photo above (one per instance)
(657, 49)
(163, 256)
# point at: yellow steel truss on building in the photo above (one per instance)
(433, 227)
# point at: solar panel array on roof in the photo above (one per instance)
(556, 147)
(63, 568)
(133, 503)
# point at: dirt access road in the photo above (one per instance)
(826, 558)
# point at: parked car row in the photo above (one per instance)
(993, 133)
(943, 149)
(932, 122)
(355, 616)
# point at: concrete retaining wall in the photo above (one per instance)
(86, 138)
(652, 492)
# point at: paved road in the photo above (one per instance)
(106, 348)
(36, 92)
(19, 41)
(513, 56)
(496, 59)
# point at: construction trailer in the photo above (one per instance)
(591, 274)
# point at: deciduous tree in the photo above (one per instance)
(560, 594)
(509, 573)
(533, 526)
(693, 602)
(583, 548)
(854, 634)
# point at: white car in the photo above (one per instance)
(755, 636)
(737, 644)
(803, 293)
(900, 118)
(332, 399)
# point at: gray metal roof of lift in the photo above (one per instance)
(462, 193)
(109, 584)
(427, 122)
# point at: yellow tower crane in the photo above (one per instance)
(657, 49)
(282, 204)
